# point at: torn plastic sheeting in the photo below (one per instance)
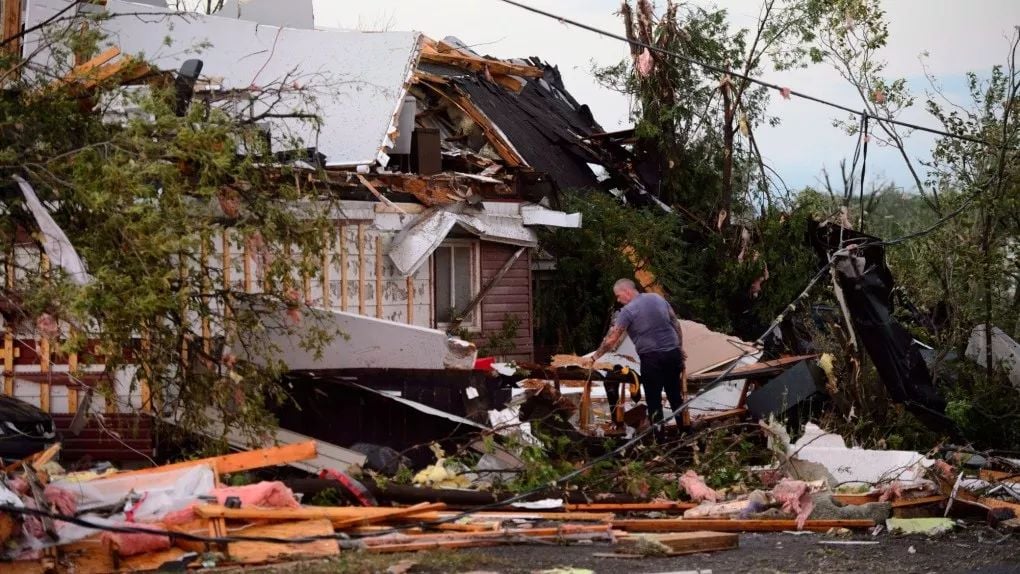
(1005, 351)
(417, 406)
(54, 242)
(359, 79)
(162, 491)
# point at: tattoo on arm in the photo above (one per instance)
(611, 342)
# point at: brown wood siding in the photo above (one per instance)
(512, 295)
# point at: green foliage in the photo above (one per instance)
(146, 200)
(502, 342)
(704, 282)
(326, 497)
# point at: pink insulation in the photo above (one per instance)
(132, 544)
(795, 496)
(696, 488)
(61, 500)
(264, 494)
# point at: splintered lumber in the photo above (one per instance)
(631, 507)
(998, 476)
(402, 543)
(263, 552)
(855, 499)
(532, 515)
(89, 555)
(241, 461)
(339, 516)
(724, 525)
(680, 543)
(37, 460)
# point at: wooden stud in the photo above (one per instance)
(44, 348)
(9, 362)
(378, 277)
(685, 542)
(343, 267)
(143, 384)
(306, 287)
(410, 299)
(206, 286)
(246, 269)
(12, 27)
(248, 460)
(225, 247)
(361, 268)
(72, 388)
(326, 303)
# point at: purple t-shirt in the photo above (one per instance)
(648, 322)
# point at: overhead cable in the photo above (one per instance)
(719, 70)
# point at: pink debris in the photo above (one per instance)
(891, 491)
(645, 64)
(64, 502)
(179, 516)
(945, 471)
(696, 488)
(19, 485)
(264, 494)
(132, 544)
(795, 496)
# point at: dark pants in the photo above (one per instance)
(660, 371)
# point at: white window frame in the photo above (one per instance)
(475, 324)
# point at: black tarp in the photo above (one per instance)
(867, 285)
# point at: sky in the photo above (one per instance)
(958, 36)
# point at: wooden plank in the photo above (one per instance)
(45, 389)
(11, 27)
(361, 268)
(724, 525)
(631, 507)
(237, 462)
(91, 556)
(378, 277)
(564, 531)
(340, 516)
(681, 543)
(8, 362)
(343, 267)
(364, 181)
(326, 304)
(72, 390)
(998, 476)
(246, 269)
(263, 552)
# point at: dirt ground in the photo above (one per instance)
(978, 550)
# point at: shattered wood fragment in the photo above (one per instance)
(538, 515)
(262, 552)
(402, 543)
(684, 542)
(725, 525)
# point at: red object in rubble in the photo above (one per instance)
(484, 364)
(355, 488)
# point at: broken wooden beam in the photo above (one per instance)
(340, 516)
(241, 461)
(631, 507)
(680, 543)
(725, 525)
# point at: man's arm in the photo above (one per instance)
(679, 331)
(611, 342)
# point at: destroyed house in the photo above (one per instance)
(446, 164)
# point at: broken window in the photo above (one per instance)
(456, 280)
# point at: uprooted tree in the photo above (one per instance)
(151, 200)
